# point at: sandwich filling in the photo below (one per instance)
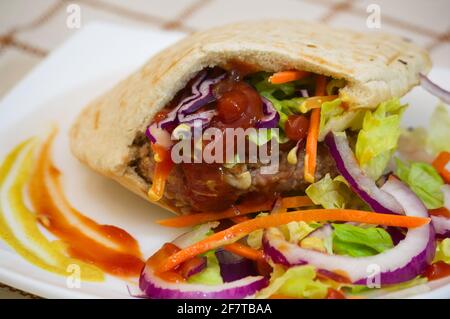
(297, 107)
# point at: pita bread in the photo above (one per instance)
(376, 67)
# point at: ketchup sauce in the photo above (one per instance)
(239, 106)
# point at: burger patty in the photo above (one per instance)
(197, 187)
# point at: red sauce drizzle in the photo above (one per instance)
(123, 260)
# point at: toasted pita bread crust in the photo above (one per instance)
(376, 67)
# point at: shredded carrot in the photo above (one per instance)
(296, 201)
(235, 212)
(239, 219)
(311, 146)
(200, 218)
(163, 166)
(278, 207)
(313, 133)
(287, 76)
(440, 164)
(236, 232)
(245, 251)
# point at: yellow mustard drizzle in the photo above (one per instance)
(57, 261)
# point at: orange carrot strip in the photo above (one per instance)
(244, 251)
(311, 146)
(296, 201)
(287, 76)
(238, 231)
(313, 133)
(163, 168)
(199, 218)
(236, 212)
(439, 164)
(239, 219)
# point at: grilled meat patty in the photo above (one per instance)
(213, 187)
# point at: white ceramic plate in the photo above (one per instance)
(54, 92)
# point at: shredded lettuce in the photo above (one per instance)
(328, 192)
(420, 144)
(357, 241)
(412, 145)
(334, 117)
(443, 251)
(423, 180)
(283, 96)
(254, 239)
(296, 282)
(334, 193)
(374, 292)
(378, 138)
(298, 230)
(263, 136)
(315, 243)
(211, 274)
(284, 107)
(294, 232)
(439, 130)
(330, 110)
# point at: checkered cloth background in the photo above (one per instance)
(31, 29)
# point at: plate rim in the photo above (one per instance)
(49, 290)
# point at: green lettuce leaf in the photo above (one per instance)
(363, 290)
(439, 130)
(293, 232)
(328, 192)
(357, 241)
(334, 193)
(296, 282)
(211, 274)
(378, 138)
(420, 144)
(423, 180)
(254, 239)
(334, 117)
(296, 231)
(283, 96)
(263, 136)
(443, 251)
(284, 107)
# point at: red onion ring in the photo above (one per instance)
(271, 116)
(191, 237)
(322, 232)
(403, 262)
(434, 89)
(201, 95)
(442, 226)
(361, 184)
(442, 223)
(233, 267)
(192, 269)
(155, 288)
